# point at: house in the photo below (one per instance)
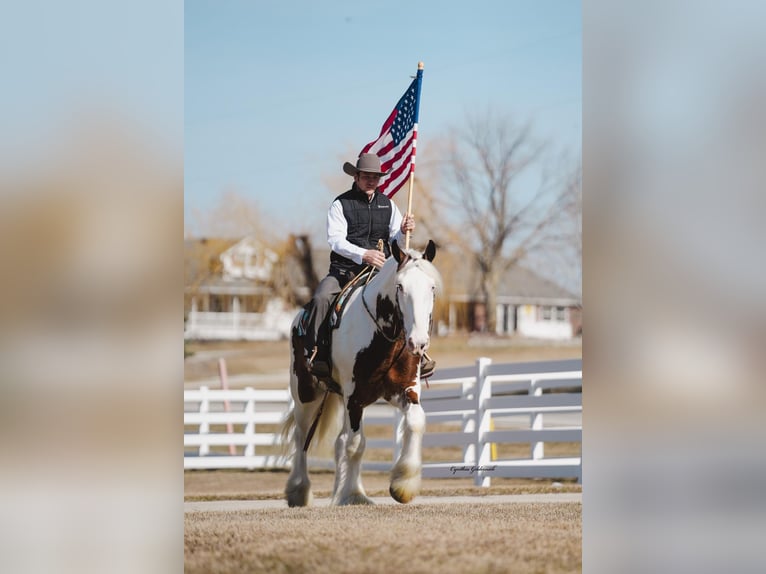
(229, 293)
(527, 305)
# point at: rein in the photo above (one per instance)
(313, 428)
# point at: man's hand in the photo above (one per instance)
(374, 257)
(408, 223)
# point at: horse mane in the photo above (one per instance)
(430, 269)
(415, 258)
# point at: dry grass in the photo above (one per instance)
(264, 357)
(430, 454)
(270, 484)
(442, 538)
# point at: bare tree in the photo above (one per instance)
(294, 279)
(235, 215)
(499, 200)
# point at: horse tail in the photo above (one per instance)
(329, 426)
(286, 433)
(327, 429)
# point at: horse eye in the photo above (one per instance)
(398, 286)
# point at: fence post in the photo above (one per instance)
(469, 390)
(235, 317)
(483, 447)
(204, 426)
(222, 375)
(250, 424)
(537, 448)
(191, 327)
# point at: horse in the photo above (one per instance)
(375, 352)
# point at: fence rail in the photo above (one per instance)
(474, 400)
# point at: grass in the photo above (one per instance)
(263, 357)
(269, 484)
(430, 454)
(444, 538)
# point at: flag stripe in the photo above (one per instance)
(392, 182)
(396, 155)
(397, 142)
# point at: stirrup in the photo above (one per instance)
(318, 367)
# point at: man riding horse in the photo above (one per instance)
(356, 221)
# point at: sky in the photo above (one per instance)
(68, 64)
(278, 94)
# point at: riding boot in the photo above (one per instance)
(319, 364)
(319, 360)
(427, 366)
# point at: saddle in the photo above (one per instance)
(338, 303)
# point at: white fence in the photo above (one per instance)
(272, 325)
(486, 404)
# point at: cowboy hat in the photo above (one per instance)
(367, 162)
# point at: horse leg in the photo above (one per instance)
(405, 475)
(298, 488)
(349, 449)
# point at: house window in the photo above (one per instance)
(561, 314)
(545, 313)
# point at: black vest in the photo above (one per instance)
(367, 222)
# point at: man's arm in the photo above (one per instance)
(395, 225)
(337, 229)
(399, 225)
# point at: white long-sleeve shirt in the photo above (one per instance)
(337, 229)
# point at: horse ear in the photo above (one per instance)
(396, 251)
(430, 251)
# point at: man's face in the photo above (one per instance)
(367, 182)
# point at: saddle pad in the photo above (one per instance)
(336, 312)
(303, 323)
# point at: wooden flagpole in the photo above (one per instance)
(409, 208)
(412, 171)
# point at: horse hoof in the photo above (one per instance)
(404, 491)
(299, 497)
(405, 483)
(357, 499)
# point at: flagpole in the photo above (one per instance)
(414, 143)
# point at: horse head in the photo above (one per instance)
(417, 282)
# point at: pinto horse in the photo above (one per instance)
(376, 351)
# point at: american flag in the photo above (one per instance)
(396, 143)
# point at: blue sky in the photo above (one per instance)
(278, 93)
(67, 63)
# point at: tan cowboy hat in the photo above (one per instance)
(367, 162)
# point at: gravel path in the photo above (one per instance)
(240, 505)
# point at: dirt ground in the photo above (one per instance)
(270, 357)
(263, 484)
(445, 538)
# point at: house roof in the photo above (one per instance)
(517, 285)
